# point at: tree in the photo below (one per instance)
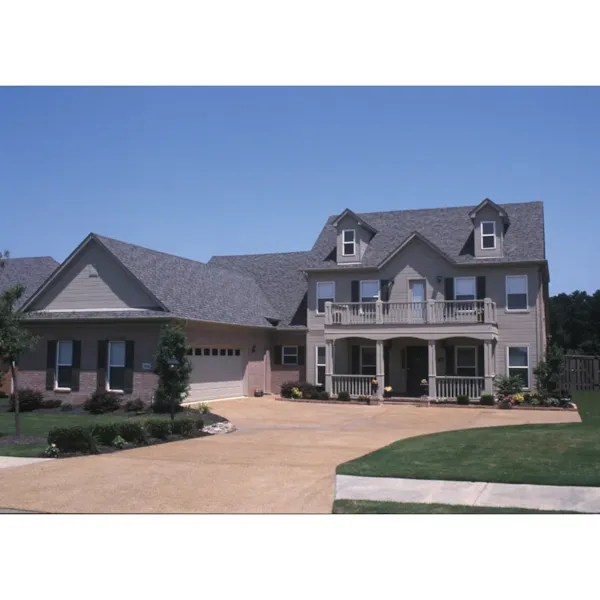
(173, 381)
(575, 322)
(14, 339)
(548, 372)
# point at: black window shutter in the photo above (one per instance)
(76, 366)
(50, 364)
(450, 370)
(277, 356)
(301, 353)
(101, 370)
(355, 291)
(129, 364)
(480, 361)
(449, 288)
(384, 288)
(480, 282)
(355, 360)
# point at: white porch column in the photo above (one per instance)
(329, 366)
(380, 369)
(488, 370)
(432, 362)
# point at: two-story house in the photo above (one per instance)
(451, 295)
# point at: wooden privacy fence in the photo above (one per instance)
(581, 372)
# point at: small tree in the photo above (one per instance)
(548, 372)
(14, 339)
(173, 382)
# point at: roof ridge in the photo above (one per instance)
(261, 254)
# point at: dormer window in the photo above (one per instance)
(488, 235)
(349, 242)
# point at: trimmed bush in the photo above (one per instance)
(29, 400)
(365, 399)
(101, 402)
(51, 403)
(105, 433)
(73, 439)
(161, 405)
(323, 395)
(462, 399)
(199, 423)
(345, 396)
(158, 428)
(136, 405)
(307, 390)
(487, 400)
(133, 432)
(184, 427)
(66, 406)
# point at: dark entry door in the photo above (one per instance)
(416, 369)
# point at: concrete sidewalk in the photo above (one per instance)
(540, 497)
(7, 462)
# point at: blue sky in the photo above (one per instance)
(203, 171)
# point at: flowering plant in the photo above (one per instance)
(374, 386)
(51, 451)
(118, 442)
(424, 382)
(388, 388)
(518, 398)
(296, 393)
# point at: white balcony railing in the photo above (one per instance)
(410, 313)
(355, 385)
(448, 388)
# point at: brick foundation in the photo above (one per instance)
(280, 374)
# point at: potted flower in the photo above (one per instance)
(387, 391)
(506, 401)
(425, 386)
(374, 386)
(258, 393)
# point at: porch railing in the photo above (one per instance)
(355, 385)
(448, 388)
(410, 313)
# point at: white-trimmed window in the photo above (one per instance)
(325, 293)
(64, 365)
(116, 366)
(516, 292)
(465, 360)
(348, 242)
(488, 235)
(368, 360)
(464, 288)
(320, 364)
(289, 355)
(369, 291)
(517, 361)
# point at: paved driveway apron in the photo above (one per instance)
(282, 459)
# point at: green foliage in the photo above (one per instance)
(462, 399)
(204, 408)
(345, 396)
(305, 389)
(51, 451)
(548, 372)
(158, 428)
(185, 427)
(365, 399)
(102, 402)
(575, 322)
(487, 400)
(199, 423)
(118, 442)
(324, 395)
(135, 405)
(296, 393)
(51, 403)
(66, 406)
(105, 433)
(173, 382)
(73, 439)
(507, 385)
(29, 400)
(161, 405)
(134, 432)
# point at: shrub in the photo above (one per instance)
(507, 385)
(551, 402)
(118, 442)
(29, 400)
(161, 404)
(101, 402)
(286, 388)
(296, 392)
(505, 404)
(534, 401)
(548, 372)
(462, 399)
(105, 433)
(133, 431)
(344, 396)
(184, 427)
(199, 424)
(527, 397)
(66, 406)
(73, 439)
(51, 403)
(51, 451)
(307, 390)
(204, 408)
(323, 395)
(158, 428)
(365, 399)
(135, 405)
(487, 400)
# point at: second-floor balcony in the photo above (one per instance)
(410, 313)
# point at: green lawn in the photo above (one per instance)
(368, 507)
(562, 454)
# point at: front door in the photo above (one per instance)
(417, 298)
(416, 369)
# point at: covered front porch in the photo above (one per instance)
(451, 366)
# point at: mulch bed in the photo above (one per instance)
(22, 440)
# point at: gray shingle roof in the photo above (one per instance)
(450, 229)
(195, 290)
(86, 315)
(29, 272)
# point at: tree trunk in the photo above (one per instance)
(13, 373)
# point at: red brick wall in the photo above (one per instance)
(282, 373)
(5, 379)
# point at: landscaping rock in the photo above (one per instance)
(220, 427)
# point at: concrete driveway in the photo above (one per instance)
(282, 459)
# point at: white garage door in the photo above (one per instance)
(217, 373)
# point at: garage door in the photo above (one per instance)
(217, 373)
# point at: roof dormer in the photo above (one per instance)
(353, 237)
(489, 225)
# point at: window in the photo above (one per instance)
(518, 363)
(464, 288)
(368, 360)
(349, 242)
(237, 351)
(223, 352)
(369, 291)
(465, 359)
(230, 352)
(516, 292)
(206, 352)
(320, 350)
(214, 351)
(289, 355)
(198, 351)
(64, 364)
(488, 235)
(116, 366)
(325, 293)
